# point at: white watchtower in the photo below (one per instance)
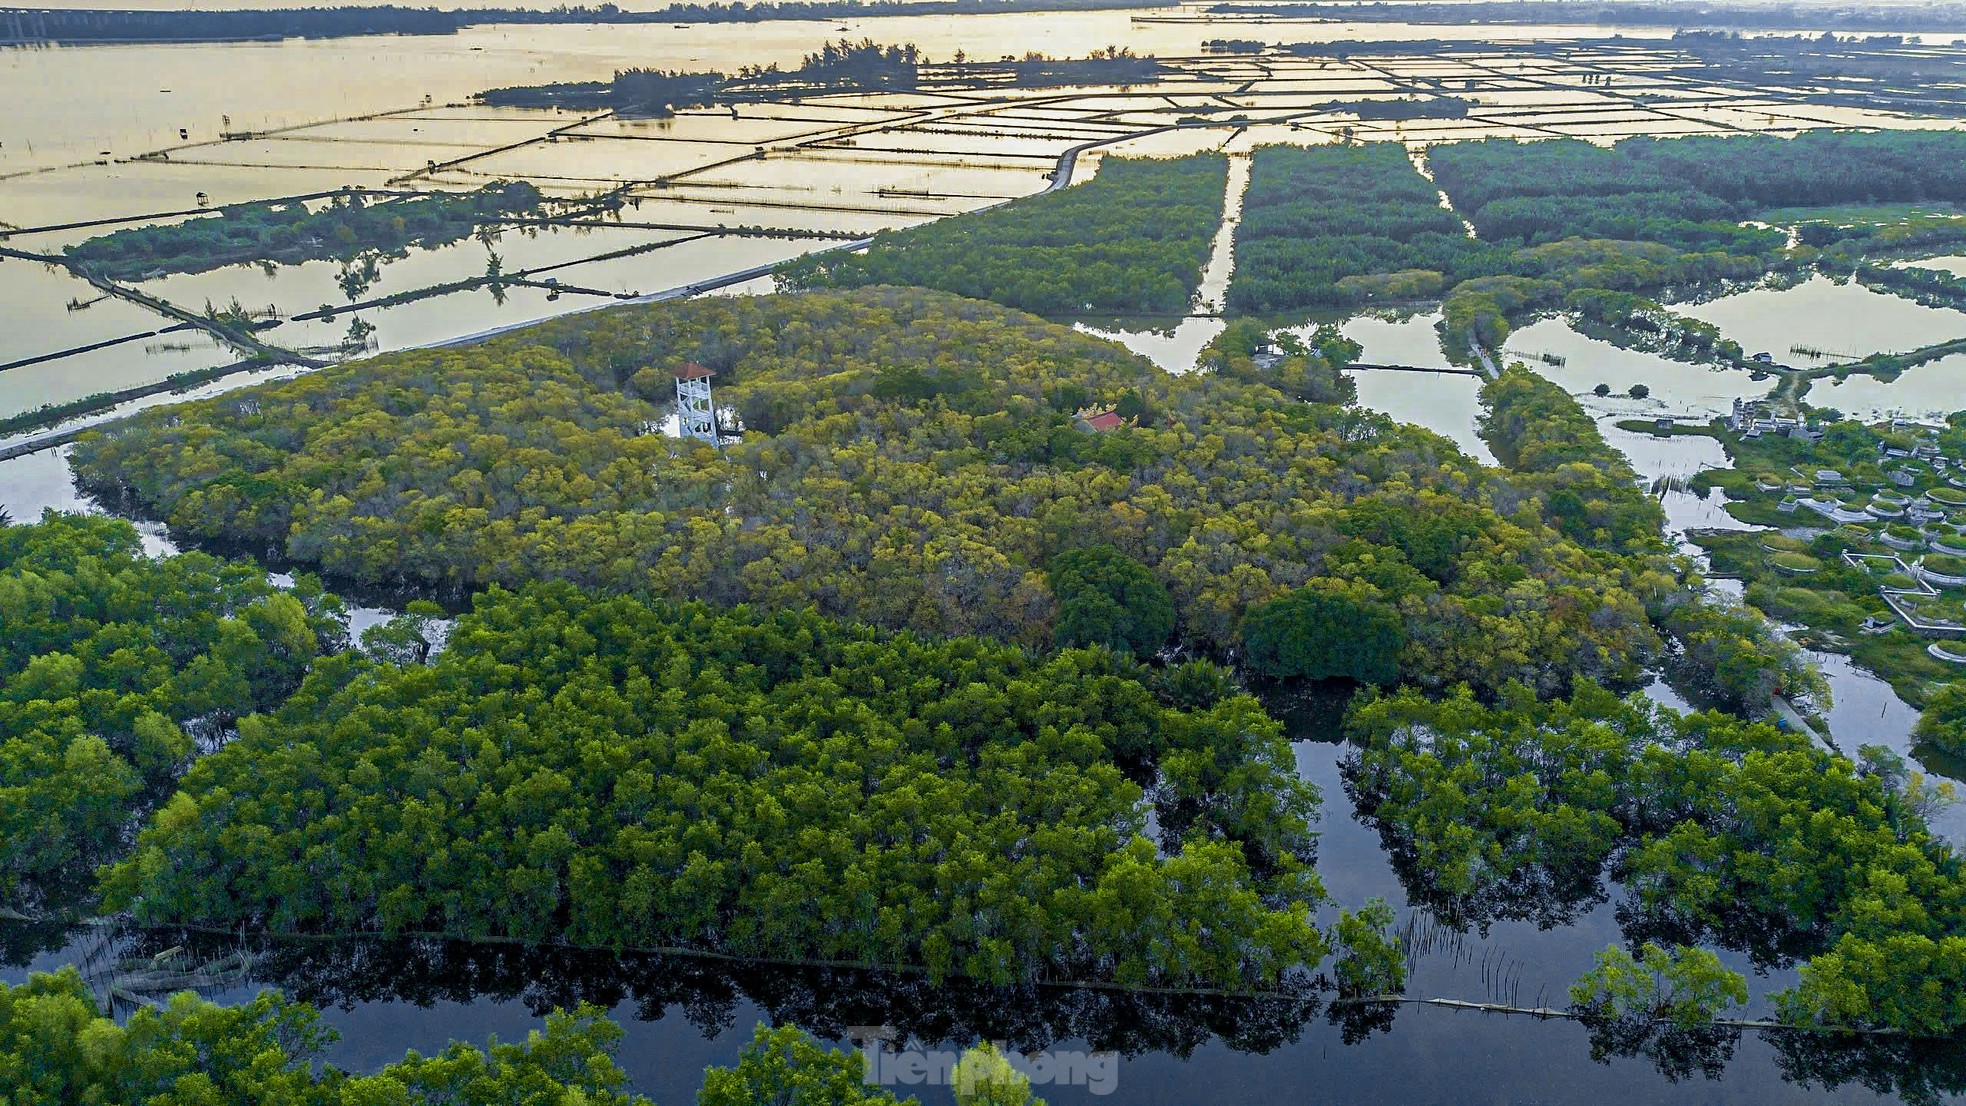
(695, 416)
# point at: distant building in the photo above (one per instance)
(1099, 420)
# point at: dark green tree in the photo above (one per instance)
(1327, 629)
(57, 1049)
(787, 1067)
(1107, 598)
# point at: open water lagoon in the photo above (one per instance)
(1842, 320)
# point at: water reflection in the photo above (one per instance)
(1844, 321)
(1868, 712)
(1930, 391)
(1676, 387)
(1175, 349)
(682, 1013)
(1954, 265)
(1448, 405)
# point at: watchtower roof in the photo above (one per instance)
(693, 371)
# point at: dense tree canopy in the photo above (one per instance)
(1308, 370)
(1107, 598)
(1589, 490)
(786, 1067)
(1130, 241)
(909, 460)
(622, 773)
(113, 667)
(58, 1049)
(1944, 722)
(1719, 830)
(1335, 226)
(1692, 192)
(1327, 629)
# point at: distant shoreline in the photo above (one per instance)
(123, 27)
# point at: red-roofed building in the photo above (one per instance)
(1099, 420)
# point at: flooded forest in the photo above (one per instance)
(822, 552)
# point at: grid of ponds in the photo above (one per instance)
(717, 190)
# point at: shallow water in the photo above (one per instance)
(1839, 319)
(148, 92)
(1677, 388)
(1932, 390)
(1446, 404)
(1955, 265)
(292, 290)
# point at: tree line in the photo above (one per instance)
(1131, 241)
(1337, 226)
(350, 224)
(1690, 192)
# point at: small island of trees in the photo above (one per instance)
(348, 225)
(1131, 241)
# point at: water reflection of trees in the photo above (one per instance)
(828, 1002)
(1917, 1070)
(832, 1003)
(1550, 890)
(1677, 1051)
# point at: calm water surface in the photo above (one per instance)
(1932, 390)
(1839, 319)
(1677, 387)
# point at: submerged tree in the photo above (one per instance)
(1661, 1005)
